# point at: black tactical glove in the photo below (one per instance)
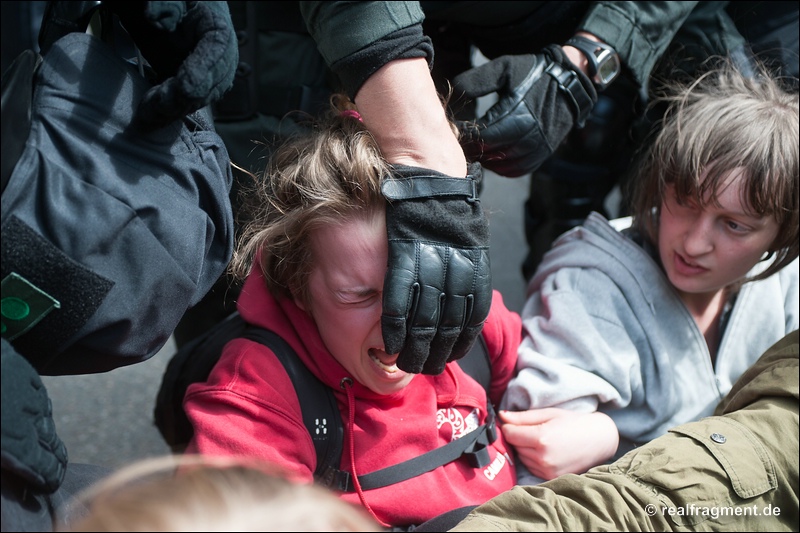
(438, 286)
(30, 446)
(192, 48)
(541, 97)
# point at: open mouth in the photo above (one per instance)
(386, 362)
(685, 264)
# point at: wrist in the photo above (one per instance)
(410, 131)
(576, 56)
(596, 59)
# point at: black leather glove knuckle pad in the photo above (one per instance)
(31, 447)
(437, 291)
(540, 98)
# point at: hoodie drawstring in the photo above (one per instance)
(347, 385)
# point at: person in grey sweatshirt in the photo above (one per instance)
(628, 332)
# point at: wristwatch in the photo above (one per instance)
(604, 64)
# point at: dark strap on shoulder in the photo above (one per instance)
(320, 413)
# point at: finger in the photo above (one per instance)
(163, 104)
(441, 350)
(481, 80)
(522, 436)
(210, 68)
(400, 295)
(432, 263)
(165, 15)
(529, 416)
(415, 354)
(465, 341)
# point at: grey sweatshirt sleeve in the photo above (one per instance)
(573, 355)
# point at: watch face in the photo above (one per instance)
(604, 65)
(608, 70)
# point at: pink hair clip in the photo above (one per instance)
(351, 113)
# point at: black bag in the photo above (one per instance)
(193, 363)
(109, 233)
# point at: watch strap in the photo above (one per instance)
(588, 48)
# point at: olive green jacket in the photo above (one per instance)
(734, 471)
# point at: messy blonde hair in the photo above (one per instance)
(718, 122)
(204, 493)
(330, 174)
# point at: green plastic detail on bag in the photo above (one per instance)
(22, 305)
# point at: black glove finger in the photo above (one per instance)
(30, 445)
(415, 357)
(441, 350)
(465, 341)
(400, 294)
(478, 305)
(492, 76)
(463, 314)
(456, 311)
(208, 71)
(165, 103)
(51, 454)
(426, 308)
(165, 15)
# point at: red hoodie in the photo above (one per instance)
(249, 407)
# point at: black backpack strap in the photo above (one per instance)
(472, 446)
(192, 363)
(477, 364)
(320, 412)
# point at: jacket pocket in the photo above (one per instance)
(703, 470)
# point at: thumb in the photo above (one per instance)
(165, 15)
(484, 79)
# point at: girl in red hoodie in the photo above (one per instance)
(314, 256)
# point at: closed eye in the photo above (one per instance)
(358, 297)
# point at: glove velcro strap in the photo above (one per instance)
(569, 83)
(429, 187)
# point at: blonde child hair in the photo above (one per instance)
(202, 493)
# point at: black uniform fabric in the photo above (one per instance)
(129, 227)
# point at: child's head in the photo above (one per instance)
(319, 232)
(201, 493)
(315, 179)
(719, 184)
